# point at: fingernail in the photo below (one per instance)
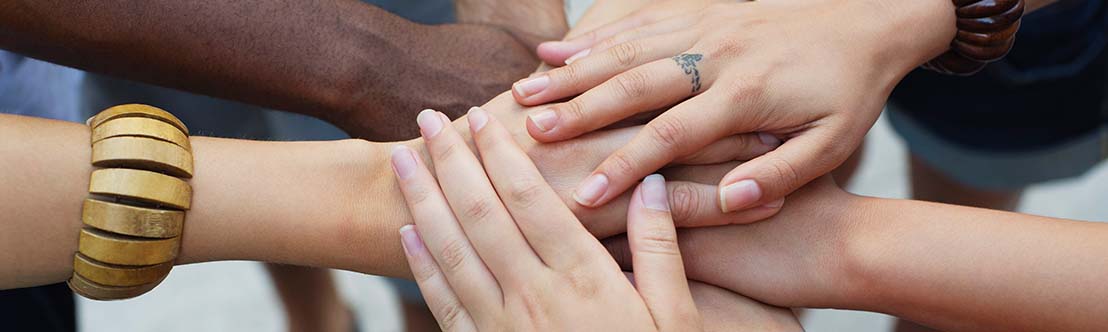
(430, 123)
(654, 193)
(531, 86)
(739, 195)
(477, 119)
(590, 190)
(578, 56)
(403, 161)
(775, 204)
(544, 120)
(409, 238)
(769, 140)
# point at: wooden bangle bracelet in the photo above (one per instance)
(132, 220)
(986, 32)
(141, 127)
(124, 250)
(142, 185)
(143, 153)
(118, 275)
(89, 289)
(139, 111)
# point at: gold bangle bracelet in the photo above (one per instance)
(123, 250)
(118, 275)
(132, 220)
(141, 127)
(142, 185)
(143, 153)
(92, 290)
(135, 212)
(136, 111)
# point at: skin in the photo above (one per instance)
(491, 255)
(343, 61)
(252, 200)
(265, 191)
(950, 267)
(739, 75)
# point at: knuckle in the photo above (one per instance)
(454, 255)
(685, 200)
(571, 111)
(626, 54)
(450, 315)
(784, 172)
(620, 165)
(446, 152)
(477, 209)
(631, 85)
(582, 281)
(668, 132)
(525, 193)
(566, 76)
(748, 91)
(657, 240)
(726, 48)
(419, 195)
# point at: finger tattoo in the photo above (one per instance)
(688, 64)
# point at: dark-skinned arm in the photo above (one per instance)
(352, 64)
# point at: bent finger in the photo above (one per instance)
(774, 175)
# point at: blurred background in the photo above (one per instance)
(238, 296)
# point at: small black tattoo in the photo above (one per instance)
(688, 64)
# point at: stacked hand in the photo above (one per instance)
(493, 250)
(812, 74)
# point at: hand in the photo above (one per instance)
(564, 164)
(814, 74)
(799, 258)
(493, 250)
(530, 21)
(447, 68)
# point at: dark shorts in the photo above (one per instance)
(1037, 115)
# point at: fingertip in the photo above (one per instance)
(403, 161)
(654, 193)
(555, 53)
(477, 119)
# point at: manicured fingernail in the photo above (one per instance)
(531, 86)
(430, 123)
(544, 120)
(775, 204)
(654, 193)
(578, 56)
(590, 190)
(739, 195)
(403, 161)
(769, 140)
(410, 239)
(477, 119)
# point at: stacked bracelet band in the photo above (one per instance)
(137, 200)
(986, 32)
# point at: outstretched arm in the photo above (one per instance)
(344, 61)
(949, 267)
(331, 204)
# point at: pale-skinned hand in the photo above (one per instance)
(811, 76)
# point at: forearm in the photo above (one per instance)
(325, 58)
(309, 203)
(961, 269)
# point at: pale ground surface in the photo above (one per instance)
(237, 296)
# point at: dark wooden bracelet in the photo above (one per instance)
(986, 32)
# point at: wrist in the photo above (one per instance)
(908, 32)
(875, 230)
